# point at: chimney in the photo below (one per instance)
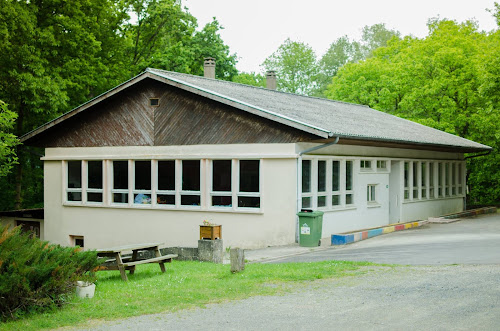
(271, 80)
(209, 67)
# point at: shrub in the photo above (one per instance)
(36, 275)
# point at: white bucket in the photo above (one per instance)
(85, 289)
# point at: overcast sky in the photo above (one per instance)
(254, 29)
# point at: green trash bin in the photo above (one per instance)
(310, 228)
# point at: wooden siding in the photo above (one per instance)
(182, 118)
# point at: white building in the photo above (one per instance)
(149, 160)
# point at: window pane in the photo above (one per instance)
(415, 174)
(221, 175)
(306, 202)
(142, 199)
(249, 202)
(190, 200)
(191, 176)
(94, 197)
(348, 199)
(335, 200)
(95, 174)
(453, 173)
(336, 175)
(75, 175)
(74, 196)
(165, 199)
(321, 176)
(348, 175)
(225, 201)
(249, 175)
(306, 175)
(423, 173)
(120, 197)
(142, 175)
(321, 201)
(166, 175)
(120, 175)
(407, 174)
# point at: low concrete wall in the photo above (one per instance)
(207, 251)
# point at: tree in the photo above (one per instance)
(8, 141)
(376, 36)
(296, 67)
(448, 80)
(251, 78)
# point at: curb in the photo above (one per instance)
(348, 238)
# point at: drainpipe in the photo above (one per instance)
(299, 180)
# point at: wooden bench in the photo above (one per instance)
(160, 260)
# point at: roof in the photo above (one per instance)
(36, 213)
(322, 117)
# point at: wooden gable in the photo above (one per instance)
(180, 118)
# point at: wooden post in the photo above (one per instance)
(237, 256)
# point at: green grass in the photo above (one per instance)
(185, 285)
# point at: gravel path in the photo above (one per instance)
(457, 297)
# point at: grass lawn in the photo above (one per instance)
(185, 285)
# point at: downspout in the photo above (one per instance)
(467, 175)
(299, 179)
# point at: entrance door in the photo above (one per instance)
(395, 192)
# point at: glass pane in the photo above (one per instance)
(165, 199)
(142, 175)
(120, 197)
(74, 196)
(321, 201)
(453, 173)
(191, 177)
(221, 175)
(166, 175)
(75, 175)
(120, 175)
(423, 173)
(249, 175)
(447, 173)
(348, 199)
(306, 175)
(190, 200)
(306, 202)
(94, 197)
(95, 174)
(372, 193)
(407, 194)
(431, 193)
(348, 175)
(424, 193)
(431, 174)
(225, 201)
(321, 176)
(249, 202)
(336, 175)
(142, 199)
(415, 193)
(407, 174)
(415, 174)
(335, 200)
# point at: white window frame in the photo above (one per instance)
(94, 190)
(157, 191)
(182, 192)
(127, 191)
(246, 194)
(371, 194)
(366, 165)
(140, 191)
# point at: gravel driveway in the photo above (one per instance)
(465, 297)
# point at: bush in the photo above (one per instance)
(36, 275)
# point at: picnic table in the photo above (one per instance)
(122, 263)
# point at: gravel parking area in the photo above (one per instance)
(452, 297)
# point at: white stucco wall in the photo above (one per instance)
(103, 226)
(421, 210)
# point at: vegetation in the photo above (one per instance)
(36, 276)
(185, 285)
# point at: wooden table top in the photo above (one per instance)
(124, 248)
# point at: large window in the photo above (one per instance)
(249, 184)
(119, 191)
(95, 181)
(327, 183)
(142, 182)
(165, 191)
(74, 187)
(190, 192)
(222, 183)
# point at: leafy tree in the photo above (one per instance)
(296, 67)
(376, 36)
(250, 79)
(448, 80)
(8, 141)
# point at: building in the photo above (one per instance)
(152, 158)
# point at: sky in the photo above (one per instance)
(254, 29)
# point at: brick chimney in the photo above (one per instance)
(209, 67)
(271, 80)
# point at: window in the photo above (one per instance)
(407, 180)
(306, 184)
(77, 241)
(221, 183)
(440, 179)
(370, 193)
(119, 191)
(74, 187)
(453, 179)
(366, 165)
(190, 191)
(321, 184)
(154, 102)
(249, 184)
(415, 179)
(431, 180)
(381, 165)
(335, 183)
(423, 171)
(142, 182)
(349, 197)
(460, 178)
(165, 191)
(94, 181)
(447, 179)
